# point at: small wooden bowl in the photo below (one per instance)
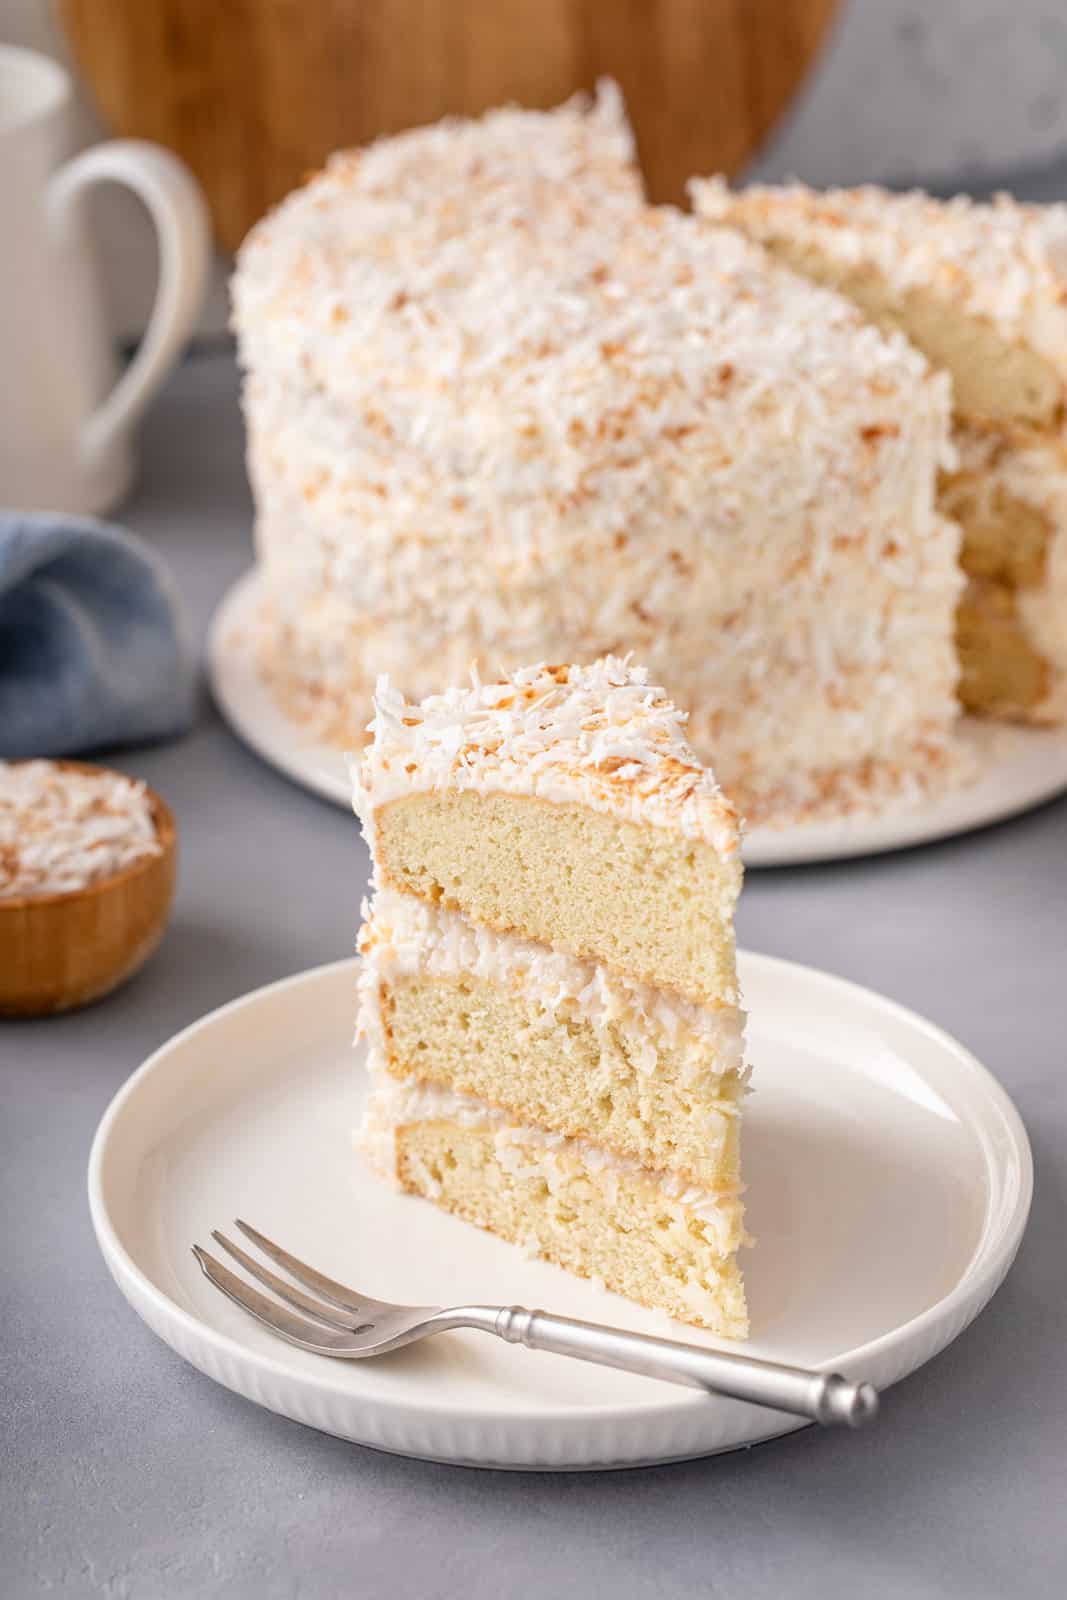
(60, 951)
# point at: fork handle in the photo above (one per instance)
(823, 1397)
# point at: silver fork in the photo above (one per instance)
(341, 1322)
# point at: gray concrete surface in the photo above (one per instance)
(125, 1473)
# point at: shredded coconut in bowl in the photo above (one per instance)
(62, 829)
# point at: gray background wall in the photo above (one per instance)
(943, 93)
(931, 93)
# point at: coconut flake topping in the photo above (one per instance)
(62, 829)
(1000, 260)
(403, 937)
(500, 408)
(601, 736)
(533, 1151)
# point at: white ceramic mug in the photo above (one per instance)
(65, 415)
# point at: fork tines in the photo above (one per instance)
(339, 1315)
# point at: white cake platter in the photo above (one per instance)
(1016, 768)
(889, 1180)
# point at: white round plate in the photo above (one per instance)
(1017, 767)
(889, 1180)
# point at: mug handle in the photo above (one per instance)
(176, 206)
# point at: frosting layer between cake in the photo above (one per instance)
(394, 1104)
(549, 989)
(404, 937)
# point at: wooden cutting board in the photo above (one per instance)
(255, 93)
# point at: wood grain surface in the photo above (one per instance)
(255, 93)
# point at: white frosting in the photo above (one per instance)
(498, 409)
(527, 1150)
(600, 736)
(1003, 261)
(62, 829)
(403, 937)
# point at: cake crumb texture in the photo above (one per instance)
(645, 901)
(548, 991)
(597, 1219)
(560, 1043)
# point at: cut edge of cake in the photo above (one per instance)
(981, 290)
(994, 272)
(649, 1236)
(559, 1101)
(564, 804)
(580, 1050)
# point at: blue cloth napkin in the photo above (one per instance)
(92, 651)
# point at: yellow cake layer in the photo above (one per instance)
(977, 288)
(479, 1038)
(1009, 492)
(1006, 536)
(993, 378)
(600, 1223)
(1001, 674)
(1009, 496)
(645, 900)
